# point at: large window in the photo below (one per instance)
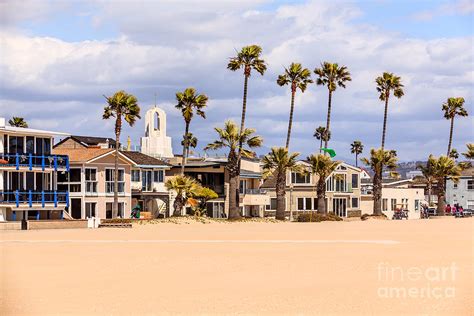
(15, 145)
(135, 175)
(90, 209)
(273, 204)
(306, 204)
(298, 178)
(355, 181)
(109, 207)
(147, 181)
(109, 180)
(470, 184)
(91, 180)
(43, 146)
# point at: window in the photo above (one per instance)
(135, 175)
(300, 206)
(309, 204)
(393, 204)
(455, 185)
(43, 146)
(299, 178)
(417, 205)
(109, 207)
(75, 175)
(15, 145)
(243, 186)
(90, 209)
(355, 202)
(273, 204)
(109, 180)
(147, 185)
(384, 204)
(305, 204)
(91, 180)
(355, 181)
(470, 184)
(30, 145)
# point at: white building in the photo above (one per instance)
(461, 193)
(156, 143)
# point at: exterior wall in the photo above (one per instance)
(71, 144)
(460, 193)
(397, 194)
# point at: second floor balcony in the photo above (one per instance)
(35, 198)
(34, 161)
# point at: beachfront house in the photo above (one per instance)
(28, 174)
(91, 182)
(342, 191)
(461, 193)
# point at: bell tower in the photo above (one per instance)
(156, 143)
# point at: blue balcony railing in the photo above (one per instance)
(31, 161)
(34, 198)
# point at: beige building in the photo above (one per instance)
(395, 195)
(342, 191)
(90, 182)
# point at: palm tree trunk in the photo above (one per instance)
(321, 193)
(321, 144)
(450, 136)
(185, 145)
(441, 196)
(357, 160)
(233, 170)
(377, 192)
(385, 121)
(280, 193)
(178, 205)
(290, 121)
(328, 121)
(429, 194)
(244, 111)
(118, 129)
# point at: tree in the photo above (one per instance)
(331, 75)
(188, 102)
(322, 135)
(192, 142)
(453, 107)
(454, 154)
(322, 166)
(120, 106)
(357, 148)
(277, 163)
(299, 78)
(18, 122)
(232, 138)
(428, 176)
(203, 195)
(469, 154)
(387, 83)
(185, 189)
(248, 58)
(443, 168)
(380, 159)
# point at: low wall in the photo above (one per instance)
(10, 225)
(60, 224)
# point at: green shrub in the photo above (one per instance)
(316, 217)
(367, 216)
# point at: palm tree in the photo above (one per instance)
(185, 188)
(231, 137)
(18, 122)
(120, 105)
(332, 76)
(444, 168)
(454, 154)
(299, 78)
(452, 108)
(248, 58)
(387, 83)
(428, 176)
(380, 159)
(192, 142)
(188, 102)
(469, 154)
(357, 148)
(322, 135)
(277, 163)
(322, 166)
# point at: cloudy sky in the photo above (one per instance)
(58, 59)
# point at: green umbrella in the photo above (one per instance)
(330, 151)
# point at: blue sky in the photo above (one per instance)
(60, 57)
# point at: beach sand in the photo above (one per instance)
(332, 268)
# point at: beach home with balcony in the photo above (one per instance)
(91, 182)
(211, 173)
(148, 176)
(28, 175)
(342, 191)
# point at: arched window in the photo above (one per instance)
(157, 121)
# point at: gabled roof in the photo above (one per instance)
(87, 141)
(144, 160)
(82, 154)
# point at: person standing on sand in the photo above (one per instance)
(448, 209)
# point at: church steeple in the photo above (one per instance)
(156, 143)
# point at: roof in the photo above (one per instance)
(88, 140)
(143, 160)
(469, 172)
(29, 131)
(250, 174)
(82, 154)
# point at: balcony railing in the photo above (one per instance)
(35, 198)
(31, 161)
(256, 191)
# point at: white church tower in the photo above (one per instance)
(156, 143)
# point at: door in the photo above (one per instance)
(339, 206)
(76, 208)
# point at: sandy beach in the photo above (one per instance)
(332, 268)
